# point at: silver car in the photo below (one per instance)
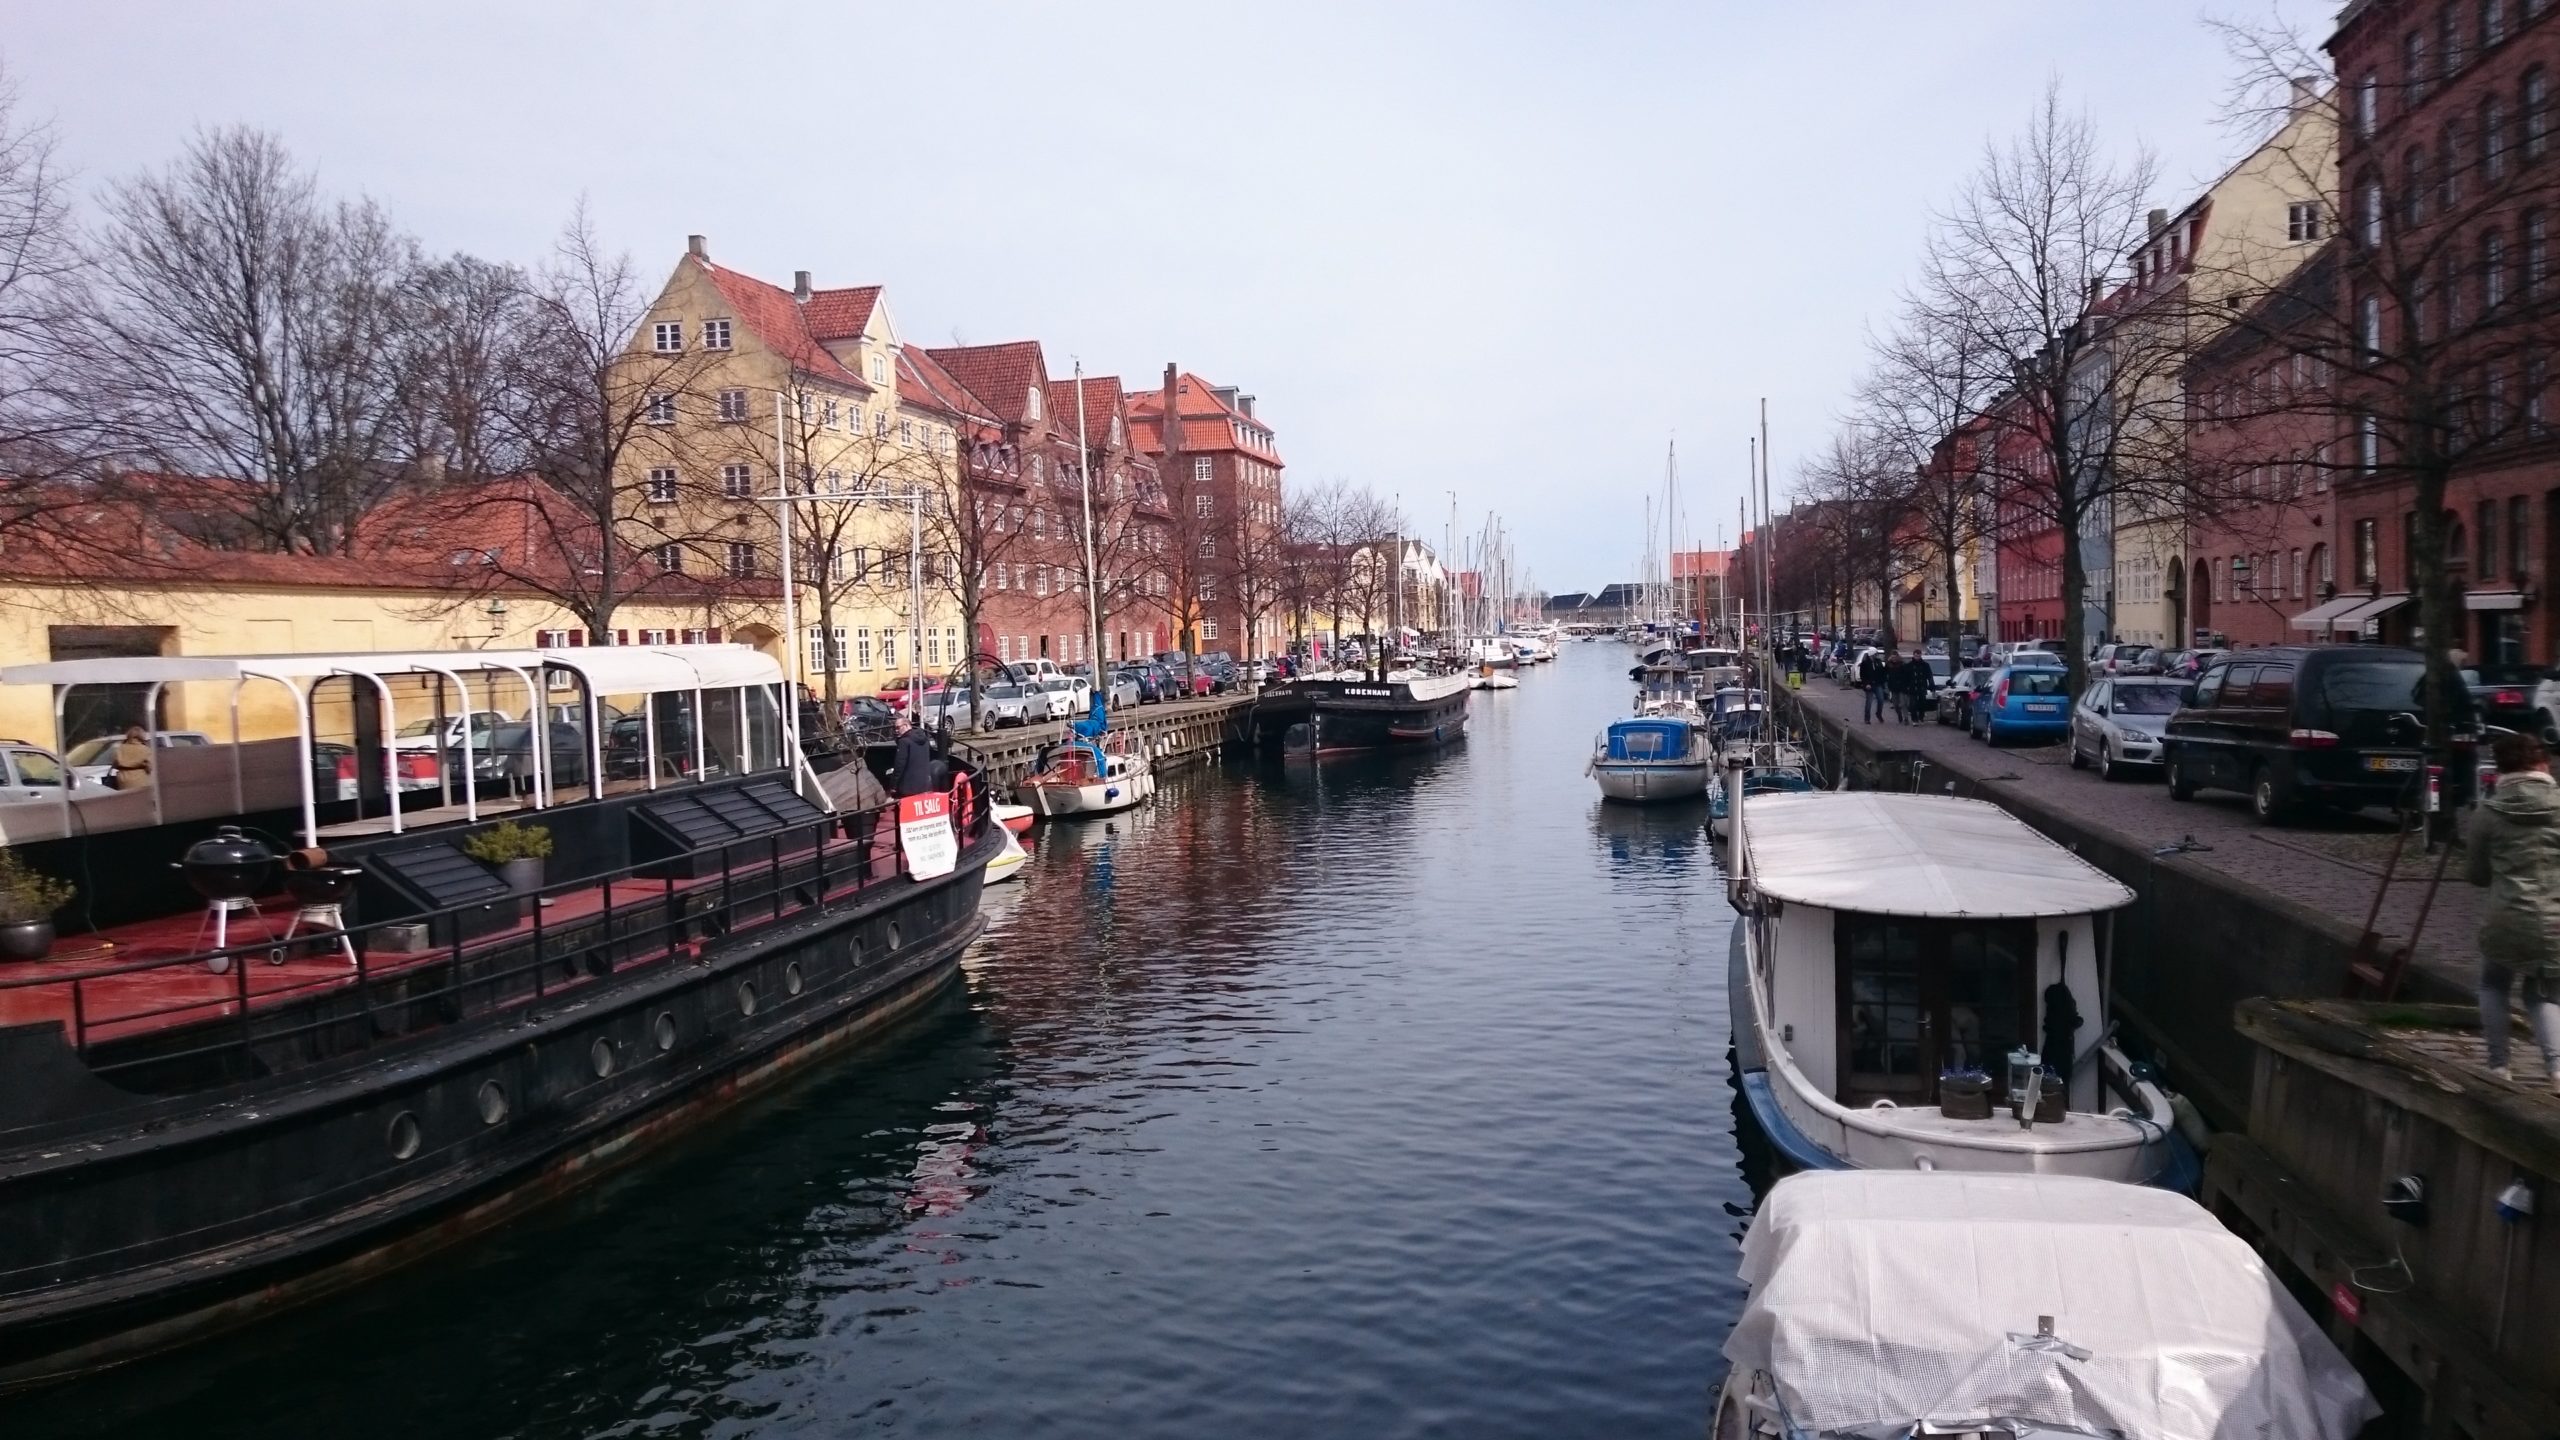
(955, 704)
(2119, 723)
(1006, 703)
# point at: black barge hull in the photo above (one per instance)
(1335, 717)
(184, 1217)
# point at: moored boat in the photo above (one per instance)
(1323, 717)
(1902, 1305)
(1079, 777)
(433, 1043)
(1648, 758)
(1921, 982)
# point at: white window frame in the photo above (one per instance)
(738, 481)
(1203, 470)
(733, 406)
(741, 562)
(1204, 506)
(667, 337)
(660, 408)
(662, 484)
(2302, 221)
(670, 558)
(715, 335)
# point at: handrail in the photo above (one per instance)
(664, 934)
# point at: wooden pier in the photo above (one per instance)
(1174, 734)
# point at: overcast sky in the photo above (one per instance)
(1505, 250)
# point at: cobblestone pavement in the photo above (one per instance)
(2331, 864)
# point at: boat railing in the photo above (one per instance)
(391, 995)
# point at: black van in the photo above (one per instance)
(2339, 726)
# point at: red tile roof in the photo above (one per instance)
(1001, 375)
(924, 383)
(1101, 401)
(841, 314)
(783, 324)
(1208, 423)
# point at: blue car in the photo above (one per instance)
(2023, 702)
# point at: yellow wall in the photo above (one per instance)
(205, 620)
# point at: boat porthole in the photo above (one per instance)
(893, 934)
(746, 997)
(493, 1102)
(404, 1135)
(791, 981)
(665, 1030)
(600, 1057)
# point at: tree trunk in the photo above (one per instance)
(2435, 616)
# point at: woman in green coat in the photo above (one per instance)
(2514, 849)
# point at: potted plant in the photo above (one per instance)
(515, 851)
(1964, 1094)
(27, 903)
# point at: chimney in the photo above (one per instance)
(1172, 409)
(800, 286)
(1245, 403)
(2097, 288)
(2159, 221)
(697, 247)
(2306, 93)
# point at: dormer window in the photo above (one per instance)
(1031, 404)
(879, 369)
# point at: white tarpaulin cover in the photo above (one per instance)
(1879, 854)
(1881, 1298)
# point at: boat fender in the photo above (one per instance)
(2191, 1123)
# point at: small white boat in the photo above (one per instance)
(1008, 862)
(1893, 1305)
(1016, 818)
(1647, 758)
(1079, 777)
(1920, 982)
(1497, 652)
(1532, 650)
(1493, 680)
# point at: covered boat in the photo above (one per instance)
(1886, 1306)
(1652, 757)
(1920, 982)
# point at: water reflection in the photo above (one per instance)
(1653, 842)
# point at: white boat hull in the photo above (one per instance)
(1649, 782)
(1053, 801)
(1009, 863)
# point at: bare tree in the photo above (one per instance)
(1310, 566)
(1254, 570)
(257, 331)
(1369, 531)
(1917, 404)
(2012, 275)
(609, 492)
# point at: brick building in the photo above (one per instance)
(2450, 173)
(1222, 470)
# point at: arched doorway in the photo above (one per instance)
(2199, 602)
(766, 639)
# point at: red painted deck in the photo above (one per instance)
(85, 986)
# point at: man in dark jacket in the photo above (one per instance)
(1875, 674)
(1917, 678)
(911, 763)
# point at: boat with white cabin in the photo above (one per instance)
(1079, 777)
(1920, 982)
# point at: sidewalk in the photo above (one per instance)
(2329, 866)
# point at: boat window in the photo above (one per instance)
(1918, 997)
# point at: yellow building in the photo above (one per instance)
(797, 388)
(2244, 235)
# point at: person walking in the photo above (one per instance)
(1872, 676)
(1916, 680)
(2514, 850)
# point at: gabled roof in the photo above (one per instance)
(924, 383)
(783, 323)
(999, 375)
(1101, 401)
(1208, 423)
(841, 314)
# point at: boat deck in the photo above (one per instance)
(91, 986)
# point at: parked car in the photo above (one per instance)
(431, 734)
(1004, 703)
(510, 756)
(2118, 723)
(2191, 664)
(868, 720)
(1150, 689)
(2042, 659)
(2310, 725)
(1845, 670)
(1955, 703)
(2110, 659)
(2506, 694)
(894, 694)
(33, 773)
(2022, 702)
(89, 760)
(955, 705)
(1941, 671)
(1060, 697)
(2145, 661)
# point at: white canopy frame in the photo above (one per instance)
(648, 671)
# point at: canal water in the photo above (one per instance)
(1385, 1097)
